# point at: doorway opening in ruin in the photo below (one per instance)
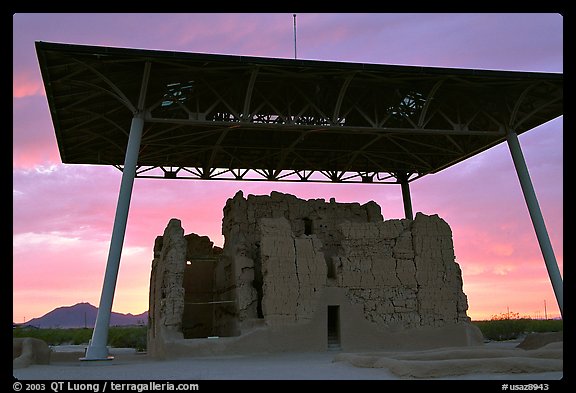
(333, 327)
(198, 315)
(308, 226)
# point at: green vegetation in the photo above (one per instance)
(118, 337)
(509, 326)
(503, 327)
(128, 337)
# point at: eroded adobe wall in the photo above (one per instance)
(403, 272)
(166, 302)
(182, 288)
(241, 228)
(286, 260)
(293, 271)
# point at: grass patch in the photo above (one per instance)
(509, 329)
(118, 337)
(135, 336)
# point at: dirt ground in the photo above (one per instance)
(494, 360)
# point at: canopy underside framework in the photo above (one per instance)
(247, 118)
(201, 116)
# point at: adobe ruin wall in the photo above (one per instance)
(286, 259)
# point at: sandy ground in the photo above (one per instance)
(127, 365)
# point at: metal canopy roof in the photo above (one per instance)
(234, 117)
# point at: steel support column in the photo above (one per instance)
(97, 349)
(403, 179)
(536, 216)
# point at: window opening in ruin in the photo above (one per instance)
(257, 284)
(333, 327)
(258, 280)
(307, 226)
(330, 269)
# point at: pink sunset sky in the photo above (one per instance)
(63, 214)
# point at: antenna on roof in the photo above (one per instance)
(294, 16)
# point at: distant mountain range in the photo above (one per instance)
(83, 315)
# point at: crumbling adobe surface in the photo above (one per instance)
(166, 303)
(173, 254)
(249, 229)
(286, 261)
(29, 350)
(403, 272)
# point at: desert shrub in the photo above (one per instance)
(125, 337)
(508, 329)
(50, 336)
(128, 337)
(80, 336)
(548, 325)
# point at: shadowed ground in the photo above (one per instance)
(495, 360)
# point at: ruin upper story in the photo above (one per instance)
(286, 250)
